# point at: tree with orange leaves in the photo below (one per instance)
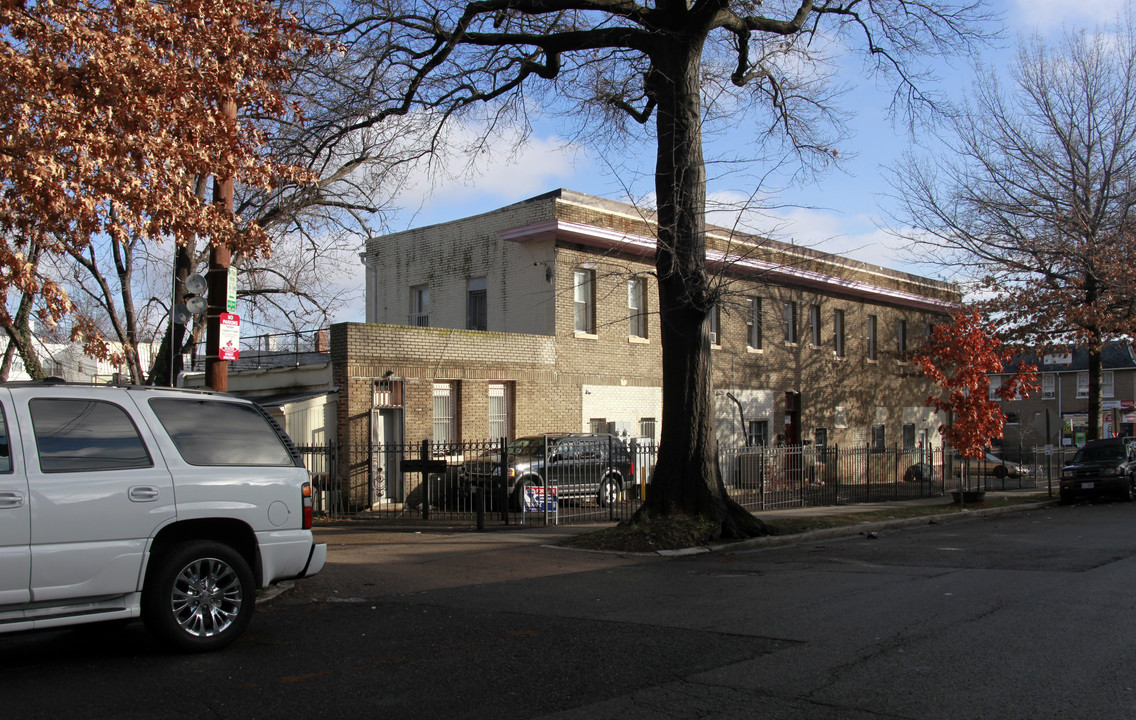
(959, 358)
(111, 117)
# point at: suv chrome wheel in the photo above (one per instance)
(609, 492)
(200, 596)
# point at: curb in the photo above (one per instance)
(822, 534)
(868, 527)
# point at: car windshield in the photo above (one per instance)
(1101, 453)
(527, 446)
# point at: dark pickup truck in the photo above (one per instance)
(1101, 468)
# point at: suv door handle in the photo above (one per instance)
(10, 500)
(143, 493)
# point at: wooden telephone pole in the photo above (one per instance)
(216, 369)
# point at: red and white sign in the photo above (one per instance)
(230, 337)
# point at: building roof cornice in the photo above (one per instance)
(752, 264)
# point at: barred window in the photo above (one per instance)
(445, 418)
(498, 410)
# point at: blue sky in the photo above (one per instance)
(841, 212)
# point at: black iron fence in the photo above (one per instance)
(590, 479)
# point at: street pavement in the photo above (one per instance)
(1023, 614)
(373, 558)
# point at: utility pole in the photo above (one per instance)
(216, 369)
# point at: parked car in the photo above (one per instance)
(1101, 468)
(991, 465)
(582, 466)
(170, 505)
(919, 472)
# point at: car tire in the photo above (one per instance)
(199, 596)
(1130, 491)
(1065, 498)
(608, 492)
(517, 498)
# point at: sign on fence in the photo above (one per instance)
(537, 500)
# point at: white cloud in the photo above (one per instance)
(855, 236)
(1047, 15)
(487, 169)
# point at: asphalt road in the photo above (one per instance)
(1029, 615)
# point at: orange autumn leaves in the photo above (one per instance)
(110, 115)
(959, 358)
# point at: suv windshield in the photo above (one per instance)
(1106, 453)
(527, 446)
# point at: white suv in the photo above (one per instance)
(120, 502)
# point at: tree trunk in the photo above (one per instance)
(1096, 370)
(687, 479)
(20, 331)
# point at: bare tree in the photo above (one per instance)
(316, 227)
(1038, 195)
(673, 67)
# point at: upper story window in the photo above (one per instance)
(476, 305)
(420, 306)
(814, 325)
(1082, 385)
(584, 301)
(840, 416)
(716, 325)
(995, 386)
(637, 308)
(1108, 386)
(872, 322)
(790, 322)
(901, 339)
(1048, 386)
(838, 333)
(753, 323)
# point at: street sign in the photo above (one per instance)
(231, 291)
(229, 337)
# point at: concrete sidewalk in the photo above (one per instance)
(400, 530)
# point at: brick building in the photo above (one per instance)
(541, 316)
(1058, 413)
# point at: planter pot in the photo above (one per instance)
(968, 496)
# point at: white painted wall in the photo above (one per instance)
(623, 405)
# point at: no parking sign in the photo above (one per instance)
(229, 337)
